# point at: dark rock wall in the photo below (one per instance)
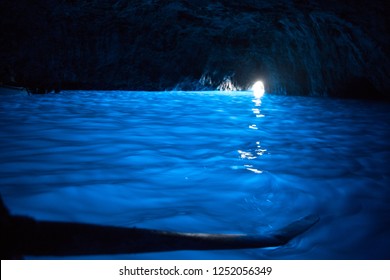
(318, 48)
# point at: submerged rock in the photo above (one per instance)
(313, 47)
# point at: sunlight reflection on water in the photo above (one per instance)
(190, 161)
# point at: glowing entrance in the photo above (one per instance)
(258, 89)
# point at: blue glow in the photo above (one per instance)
(191, 162)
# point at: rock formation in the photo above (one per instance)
(304, 47)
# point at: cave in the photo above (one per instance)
(310, 48)
(195, 118)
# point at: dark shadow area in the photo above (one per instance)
(358, 87)
(24, 236)
(310, 48)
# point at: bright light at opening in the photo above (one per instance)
(258, 89)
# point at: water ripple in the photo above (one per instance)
(203, 162)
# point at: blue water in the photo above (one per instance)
(203, 162)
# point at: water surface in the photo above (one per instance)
(203, 162)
